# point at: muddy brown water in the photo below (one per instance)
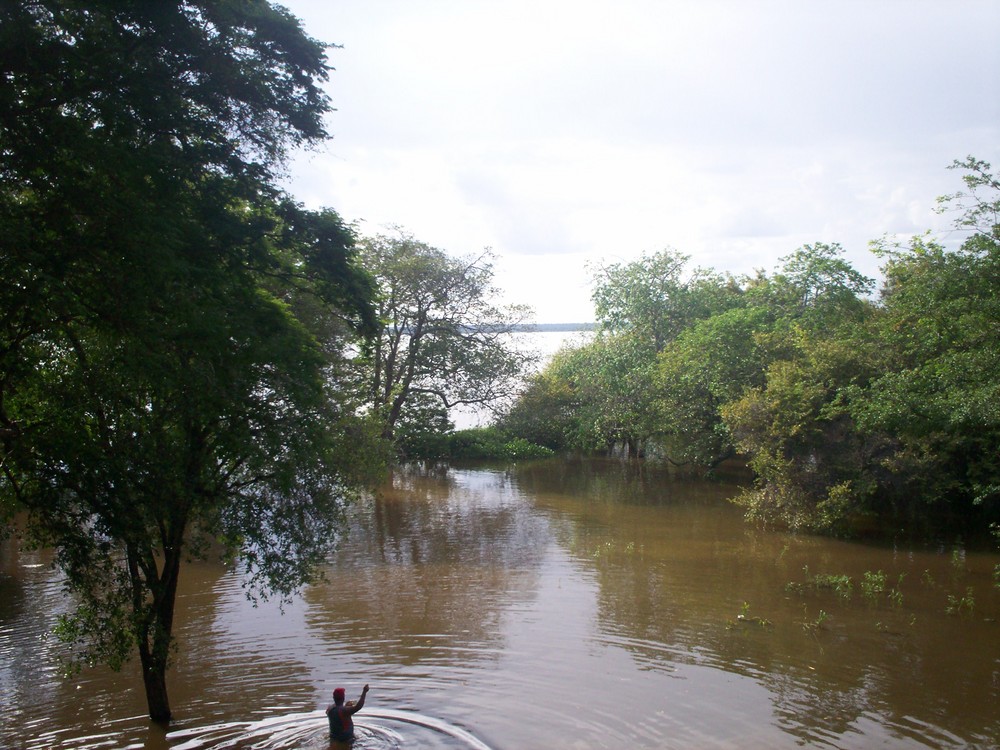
(558, 604)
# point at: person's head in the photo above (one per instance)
(338, 696)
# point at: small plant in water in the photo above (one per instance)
(813, 625)
(966, 605)
(611, 547)
(872, 584)
(744, 618)
(602, 549)
(842, 583)
(958, 560)
(896, 594)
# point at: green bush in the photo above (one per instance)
(488, 442)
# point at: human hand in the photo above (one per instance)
(365, 689)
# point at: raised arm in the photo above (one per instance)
(361, 701)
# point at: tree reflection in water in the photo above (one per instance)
(555, 604)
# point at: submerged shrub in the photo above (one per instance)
(490, 443)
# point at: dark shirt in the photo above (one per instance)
(341, 724)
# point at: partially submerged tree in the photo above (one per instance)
(162, 386)
(443, 339)
(673, 348)
(709, 364)
(892, 411)
(850, 410)
(934, 403)
(643, 307)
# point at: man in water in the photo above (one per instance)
(339, 714)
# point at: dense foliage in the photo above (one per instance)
(489, 443)
(851, 410)
(171, 324)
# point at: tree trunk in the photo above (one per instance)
(152, 657)
(154, 634)
(154, 679)
(634, 447)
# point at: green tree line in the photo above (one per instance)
(853, 407)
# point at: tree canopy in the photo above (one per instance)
(172, 325)
(443, 342)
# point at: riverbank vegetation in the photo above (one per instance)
(855, 409)
(489, 443)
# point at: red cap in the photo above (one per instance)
(338, 693)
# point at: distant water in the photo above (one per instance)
(547, 342)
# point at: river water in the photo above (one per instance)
(555, 605)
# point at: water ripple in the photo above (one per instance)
(381, 730)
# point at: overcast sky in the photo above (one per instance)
(568, 133)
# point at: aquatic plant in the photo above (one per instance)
(896, 595)
(958, 560)
(745, 618)
(606, 549)
(814, 624)
(872, 584)
(840, 583)
(965, 605)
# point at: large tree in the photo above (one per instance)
(444, 340)
(647, 298)
(163, 390)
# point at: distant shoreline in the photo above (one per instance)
(532, 327)
(544, 327)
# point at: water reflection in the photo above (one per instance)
(673, 576)
(433, 566)
(556, 604)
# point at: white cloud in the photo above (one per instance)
(560, 133)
